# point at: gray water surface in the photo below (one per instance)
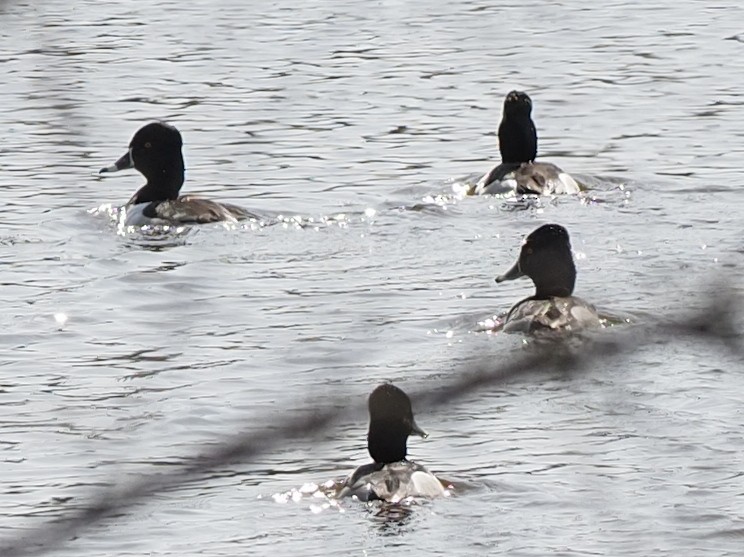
(351, 128)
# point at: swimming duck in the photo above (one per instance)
(518, 170)
(391, 477)
(546, 258)
(155, 151)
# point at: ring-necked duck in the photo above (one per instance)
(546, 258)
(518, 145)
(391, 477)
(155, 151)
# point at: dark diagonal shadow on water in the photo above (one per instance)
(715, 325)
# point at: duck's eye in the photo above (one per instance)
(148, 145)
(529, 251)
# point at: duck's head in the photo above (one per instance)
(546, 258)
(155, 151)
(390, 423)
(517, 103)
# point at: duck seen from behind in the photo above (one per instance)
(391, 477)
(155, 151)
(518, 170)
(546, 258)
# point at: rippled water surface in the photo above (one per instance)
(351, 127)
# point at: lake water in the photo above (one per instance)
(351, 127)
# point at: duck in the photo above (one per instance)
(391, 477)
(546, 258)
(155, 151)
(518, 170)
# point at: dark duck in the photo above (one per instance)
(546, 258)
(155, 151)
(391, 476)
(518, 170)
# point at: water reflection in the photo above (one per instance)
(392, 519)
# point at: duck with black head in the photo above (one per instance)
(546, 258)
(155, 151)
(391, 476)
(518, 170)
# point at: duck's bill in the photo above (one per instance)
(123, 163)
(418, 431)
(514, 273)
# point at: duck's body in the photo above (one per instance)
(518, 170)
(392, 482)
(539, 178)
(186, 209)
(546, 258)
(568, 313)
(390, 477)
(155, 151)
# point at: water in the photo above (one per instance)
(349, 126)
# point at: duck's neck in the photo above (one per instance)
(517, 139)
(162, 185)
(558, 283)
(386, 442)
